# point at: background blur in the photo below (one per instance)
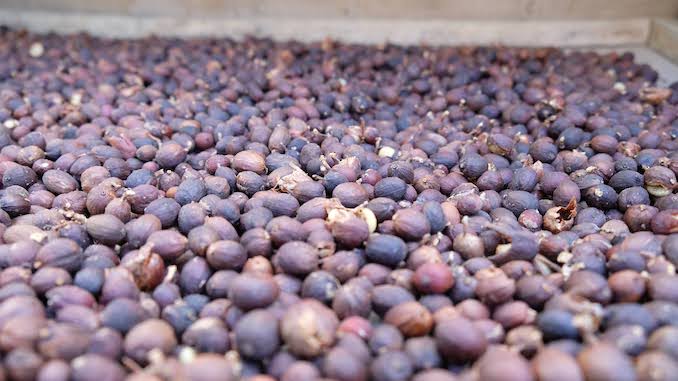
(417, 9)
(564, 23)
(447, 9)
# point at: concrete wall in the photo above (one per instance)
(462, 10)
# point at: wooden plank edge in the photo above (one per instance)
(565, 33)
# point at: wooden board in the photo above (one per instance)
(633, 31)
(460, 10)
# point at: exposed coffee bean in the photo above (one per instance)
(659, 181)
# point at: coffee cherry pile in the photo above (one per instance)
(212, 209)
